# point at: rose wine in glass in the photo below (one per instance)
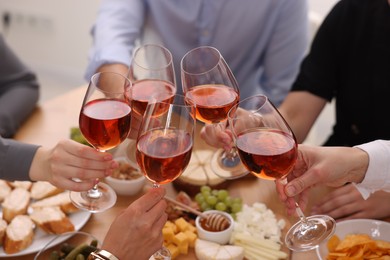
(153, 76)
(209, 83)
(105, 123)
(165, 141)
(268, 149)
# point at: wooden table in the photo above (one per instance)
(52, 121)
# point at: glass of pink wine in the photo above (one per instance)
(105, 123)
(165, 141)
(268, 149)
(210, 84)
(153, 76)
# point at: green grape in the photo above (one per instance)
(204, 206)
(236, 207)
(237, 200)
(205, 188)
(206, 193)
(211, 200)
(214, 192)
(222, 195)
(228, 201)
(221, 206)
(199, 198)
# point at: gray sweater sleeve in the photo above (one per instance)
(15, 159)
(19, 91)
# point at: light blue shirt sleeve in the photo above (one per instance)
(378, 173)
(263, 42)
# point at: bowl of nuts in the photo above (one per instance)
(127, 179)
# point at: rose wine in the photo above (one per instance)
(105, 123)
(213, 102)
(267, 153)
(163, 154)
(144, 90)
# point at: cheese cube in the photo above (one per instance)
(181, 241)
(182, 224)
(168, 233)
(191, 237)
(174, 250)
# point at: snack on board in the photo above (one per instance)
(52, 220)
(206, 250)
(357, 246)
(19, 234)
(61, 200)
(5, 189)
(43, 189)
(199, 173)
(16, 203)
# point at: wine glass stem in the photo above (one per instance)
(300, 214)
(94, 193)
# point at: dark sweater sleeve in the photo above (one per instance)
(19, 91)
(15, 159)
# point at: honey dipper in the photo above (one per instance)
(215, 221)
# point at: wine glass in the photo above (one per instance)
(104, 122)
(208, 81)
(153, 76)
(165, 141)
(268, 149)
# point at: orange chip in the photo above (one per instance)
(353, 240)
(333, 242)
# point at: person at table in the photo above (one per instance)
(19, 91)
(262, 41)
(349, 61)
(57, 165)
(366, 166)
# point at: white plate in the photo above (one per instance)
(375, 228)
(41, 238)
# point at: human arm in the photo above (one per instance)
(19, 91)
(136, 232)
(57, 165)
(115, 31)
(301, 109)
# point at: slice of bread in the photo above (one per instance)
(5, 189)
(16, 203)
(61, 200)
(43, 189)
(52, 220)
(21, 184)
(19, 234)
(3, 226)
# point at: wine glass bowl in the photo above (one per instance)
(153, 76)
(165, 140)
(268, 149)
(104, 121)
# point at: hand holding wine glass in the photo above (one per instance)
(268, 149)
(209, 83)
(104, 122)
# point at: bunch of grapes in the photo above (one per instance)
(76, 135)
(209, 199)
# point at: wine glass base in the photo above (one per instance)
(303, 237)
(227, 168)
(82, 201)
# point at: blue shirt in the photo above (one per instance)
(262, 41)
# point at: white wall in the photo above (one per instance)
(51, 36)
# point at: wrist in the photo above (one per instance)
(102, 254)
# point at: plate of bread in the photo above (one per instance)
(32, 213)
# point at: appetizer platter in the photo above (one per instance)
(42, 210)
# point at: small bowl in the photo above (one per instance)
(220, 237)
(126, 187)
(74, 238)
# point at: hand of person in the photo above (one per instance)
(216, 136)
(332, 166)
(137, 232)
(346, 202)
(68, 160)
